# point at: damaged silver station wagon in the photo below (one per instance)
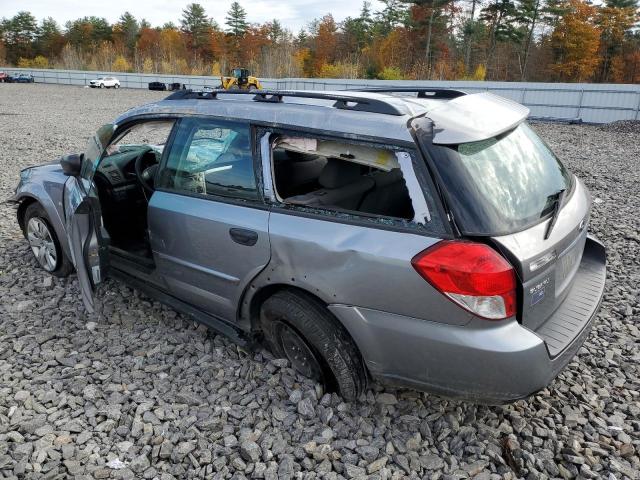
(419, 237)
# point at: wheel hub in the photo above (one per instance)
(41, 242)
(299, 353)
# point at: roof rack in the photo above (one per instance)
(423, 92)
(343, 102)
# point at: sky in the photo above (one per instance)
(293, 14)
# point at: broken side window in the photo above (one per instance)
(347, 177)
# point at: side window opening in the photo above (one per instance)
(346, 177)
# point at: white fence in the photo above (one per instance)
(586, 102)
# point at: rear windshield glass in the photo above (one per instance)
(503, 184)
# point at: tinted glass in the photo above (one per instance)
(211, 157)
(503, 184)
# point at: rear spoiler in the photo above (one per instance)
(475, 117)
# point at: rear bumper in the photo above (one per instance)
(483, 361)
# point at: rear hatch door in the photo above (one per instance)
(547, 267)
(504, 189)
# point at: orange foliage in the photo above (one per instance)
(393, 49)
(576, 41)
(325, 44)
(148, 41)
(632, 67)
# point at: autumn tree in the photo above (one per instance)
(616, 20)
(323, 49)
(575, 41)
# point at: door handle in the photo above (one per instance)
(244, 237)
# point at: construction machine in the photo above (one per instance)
(240, 79)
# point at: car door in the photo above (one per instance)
(208, 224)
(88, 240)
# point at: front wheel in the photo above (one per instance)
(44, 243)
(299, 328)
(102, 85)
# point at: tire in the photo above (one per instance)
(62, 266)
(289, 315)
(116, 86)
(102, 85)
(252, 88)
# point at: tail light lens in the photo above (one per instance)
(473, 275)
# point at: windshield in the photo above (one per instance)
(503, 184)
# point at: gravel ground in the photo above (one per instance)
(143, 392)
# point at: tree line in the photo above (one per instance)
(510, 40)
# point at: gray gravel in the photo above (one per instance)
(140, 391)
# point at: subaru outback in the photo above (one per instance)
(424, 238)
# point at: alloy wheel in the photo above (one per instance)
(41, 243)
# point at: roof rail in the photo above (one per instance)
(423, 92)
(343, 102)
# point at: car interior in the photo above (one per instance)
(340, 176)
(124, 181)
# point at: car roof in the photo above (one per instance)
(378, 113)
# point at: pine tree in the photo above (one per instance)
(19, 33)
(435, 8)
(528, 12)
(197, 25)
(236, 20)
(50, 39)
(276, 32)
(128, 28)
(394, 14)
(501, 15)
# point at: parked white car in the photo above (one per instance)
(105, 82)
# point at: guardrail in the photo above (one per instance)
(582, 102)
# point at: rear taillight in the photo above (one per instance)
(471, 274)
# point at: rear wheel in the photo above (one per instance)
(44, 243)
(299, 328)
(117, 85)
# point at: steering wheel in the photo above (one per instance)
(146, 173)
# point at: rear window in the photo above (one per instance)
(503, 184)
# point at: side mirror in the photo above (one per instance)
(71, 164)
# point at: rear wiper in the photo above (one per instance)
(557, 203)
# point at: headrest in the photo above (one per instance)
(338, 173)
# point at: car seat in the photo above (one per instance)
(343, 186)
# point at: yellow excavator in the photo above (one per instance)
(240, 79)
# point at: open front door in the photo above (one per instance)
(88, 239)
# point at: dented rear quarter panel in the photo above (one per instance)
(355, 265)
